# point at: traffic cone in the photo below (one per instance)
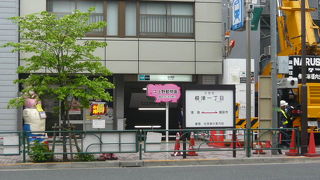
(259, 149)
(312, 147)
(192, 143)
(176, 151)
(216, 139)
(237, 143)
(293, 149)
(268, 144)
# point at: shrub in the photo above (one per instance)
(40, 152)
(84, 157)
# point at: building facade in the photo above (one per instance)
(9, 119)
(178, 41)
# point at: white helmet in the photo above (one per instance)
(283, 103)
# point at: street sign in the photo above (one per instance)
(164, 92)
(237, 15)
(312, 65)
(210, 106)
(165, 78)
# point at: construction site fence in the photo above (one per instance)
(142, 141)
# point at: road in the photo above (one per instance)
(305, 171)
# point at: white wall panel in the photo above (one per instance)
(211, 12)
(208, 31)
(123, 67)
(166, 67)
(209, 67)
(166, 51)
(208, 51)
(122, 50)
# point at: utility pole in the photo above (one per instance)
(304, 124)
(248, 77)
(274, 71)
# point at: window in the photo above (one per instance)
(131, 18)
(166, 19)
(64, 7)
(112, 18)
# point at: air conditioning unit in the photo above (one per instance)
(287, 83)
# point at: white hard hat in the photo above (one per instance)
(283, 103)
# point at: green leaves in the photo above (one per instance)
(59, 62)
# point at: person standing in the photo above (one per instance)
(284, 122)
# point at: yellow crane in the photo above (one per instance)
(289, 33)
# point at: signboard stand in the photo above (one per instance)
(164, 93)
(167, 122)
(209, 107)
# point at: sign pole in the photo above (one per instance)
(167, 122)
(248, 79)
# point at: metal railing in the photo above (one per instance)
(146, 142)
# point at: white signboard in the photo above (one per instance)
(209, 108)
(98, 123)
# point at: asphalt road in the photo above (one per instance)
(305, 171)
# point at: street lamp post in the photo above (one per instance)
(248, 77)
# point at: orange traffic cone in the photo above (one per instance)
(192, 143)
(216, 139)
(237, 143)
(293, 149)
(176, 151)
(312, 147)
(259, 149)
(268, 144)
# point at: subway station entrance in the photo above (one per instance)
(141, 110)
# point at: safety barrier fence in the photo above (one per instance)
(186, 142)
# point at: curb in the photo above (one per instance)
(153, 163)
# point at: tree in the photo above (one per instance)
(72, 70)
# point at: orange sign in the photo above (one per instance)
(98, 108)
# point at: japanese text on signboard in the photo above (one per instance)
(98, 108)
(209, 108)
(312, 64)
(164, 93)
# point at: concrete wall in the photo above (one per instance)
(201, 55)
(8, 64)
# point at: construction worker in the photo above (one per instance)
(284, 122)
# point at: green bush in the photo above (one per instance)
(84, 157)
(40, 152)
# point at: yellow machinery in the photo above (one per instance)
(289, 32)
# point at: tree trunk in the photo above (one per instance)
(64, 128)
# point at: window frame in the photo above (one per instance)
(167, 35)
(121, 33)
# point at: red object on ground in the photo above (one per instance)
(192, 143)
(312, 147)
(176, 151)
(237, 143)
(108, 156)
(268, 144)
(259, 149)
(217, 139)
(293, 148)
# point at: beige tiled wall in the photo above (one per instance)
(201, 55)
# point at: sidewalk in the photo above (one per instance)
(161, 159)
